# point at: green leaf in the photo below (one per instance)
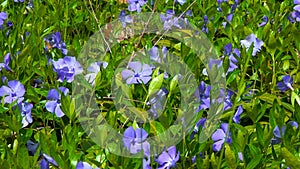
(230, 157)
(290, 159)
(173, 83)
(155, 84)
(254, 162)
(294, 97)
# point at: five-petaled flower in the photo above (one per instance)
(67, 68)
(220, 136)
(135, 141)
(252, 39)
(136, 5)
(46, 160)
(6, 62)
(279, 132)
(137, 73)
(236, 118)
(25, 109)
(13, 92)
(53, 104)
(84, 165)
(125, 18)
(286, 84)
(168, 158)
(3, 17)
(54, 41)
(94, 69)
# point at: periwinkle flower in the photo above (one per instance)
(5, 65)
(125, 18)
(94, 69)
(18, 0)
(286, 84)
(46, 160)
(203, 93)
(169, 19)
(296, 14)
(280, 131)
(232, 60)
(168, 158)
(84, 165)
(252, 39)
(157, 101)
(200, 123)
(54, 41)
(220, 136)
(32, 147)
(146, 163)
(227, 101)
(13, 92)
(3, 17)
(53, 104)
(135, 141)
(67, 68)
(240, 155)
(136, 5)
(265, 20)
(155, 54)
(137, 73)
(25, 109)
(181, 2)
(236, 118)
(204, 27)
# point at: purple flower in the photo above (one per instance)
(157, 101)
(137, 73)
(265, 20)
(53, 104)
(3, 17)
(25, 109)
(125, 18)
(203, 93)
(94, 69)
(13, 92)
(146, 163)
(84, 165)
(200, 123)
(286, 84)
(236, 117)
(46, 160)
(296, 14)
(232, 60)
(252, 39)
(204, 27)
(279, 132)
(135, 5)
(240, 155)
(168, 158)
(181, 2)
(6, 63)
(32, 147)
(18, 0)
(170, 20)
(227, 102)
(67, 68)
(220, 136)
(155, 54)
(135, 141)
(54, 41)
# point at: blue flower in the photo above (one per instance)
(203, 93)
(279, 132)
(32, 147)
(200, 123)
(54, 41)
(135, 141)
(18, 0)
(67, 68)
(125, 18)
(232, 60)
(25, 109)
(220, 136)
(3, 17)
(136, 5)
(265, 20)
(181, 2)
(168, 158)
(204, 27)
(53, 104)
(236, 117)
(252, 39)
(156, 56)
(84, 165)
(13, 92)
(46, 160)
(170, 20)
(6, 63)
(156, 101)
(286, 84)
(94, 69)
(137, 73)
(296, 14)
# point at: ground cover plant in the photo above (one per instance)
(149, 84)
